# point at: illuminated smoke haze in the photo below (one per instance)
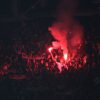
(65, 29)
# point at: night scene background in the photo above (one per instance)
(29, 69)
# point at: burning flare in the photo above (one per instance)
(50, 49)
(65, 57)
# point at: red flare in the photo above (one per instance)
(65, 57)
(50, 49)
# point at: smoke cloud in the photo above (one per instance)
(65, 29)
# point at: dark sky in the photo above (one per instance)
(6, 6)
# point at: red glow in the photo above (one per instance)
(64, 60)
(50, 49)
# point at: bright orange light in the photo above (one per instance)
(50, 49)
(65, 56)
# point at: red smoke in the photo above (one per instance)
(66, 30)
